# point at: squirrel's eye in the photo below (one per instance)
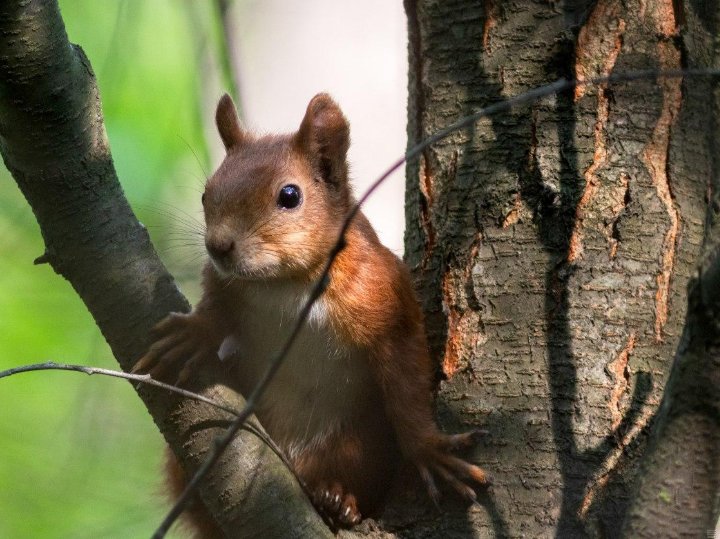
(202, 199)
(289, 197)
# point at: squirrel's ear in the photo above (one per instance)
(324, 136)
(228, 123)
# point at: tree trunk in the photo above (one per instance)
(552, 246)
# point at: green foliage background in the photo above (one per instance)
(80, 456)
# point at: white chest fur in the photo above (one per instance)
(320, 385)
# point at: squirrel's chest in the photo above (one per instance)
(323, 382)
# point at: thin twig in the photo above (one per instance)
(144, 378)
(147, 379)
(530, 96)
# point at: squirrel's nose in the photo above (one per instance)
(219, 247)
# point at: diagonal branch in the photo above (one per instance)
(140, 378)
(52, 139)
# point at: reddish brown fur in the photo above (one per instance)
(368, 313)
(372, 303)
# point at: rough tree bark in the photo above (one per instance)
(53, 141)
(563, 238)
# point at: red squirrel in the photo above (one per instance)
(354, 394)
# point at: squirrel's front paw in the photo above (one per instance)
(181, 341)
(436, 459)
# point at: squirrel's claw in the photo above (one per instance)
(179, 346)
(336, 506)
(456, 472)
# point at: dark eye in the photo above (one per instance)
(289, 197)
(202, 199)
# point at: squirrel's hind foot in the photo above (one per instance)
(339, 508)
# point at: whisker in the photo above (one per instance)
(180, 246)
(178, 223)
(174, 210)
(192, 150)
(256, 226)
(195, 235)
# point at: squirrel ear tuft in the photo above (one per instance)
(228, 123)
(324, 137)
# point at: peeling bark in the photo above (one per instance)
(564, 237)
(656, 152)
(619, 371)
(678, 491)
(595, 55)
(490, 21)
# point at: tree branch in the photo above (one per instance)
(52, 139)
(147, 380)
(142, 378)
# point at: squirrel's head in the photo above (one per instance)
(275, 205)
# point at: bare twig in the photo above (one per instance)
(143, 378)
(147, 379)
(530, 96)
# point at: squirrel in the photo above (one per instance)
(354, 396)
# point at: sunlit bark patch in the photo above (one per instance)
(619, 371)
(600, 38)
(654, 156)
